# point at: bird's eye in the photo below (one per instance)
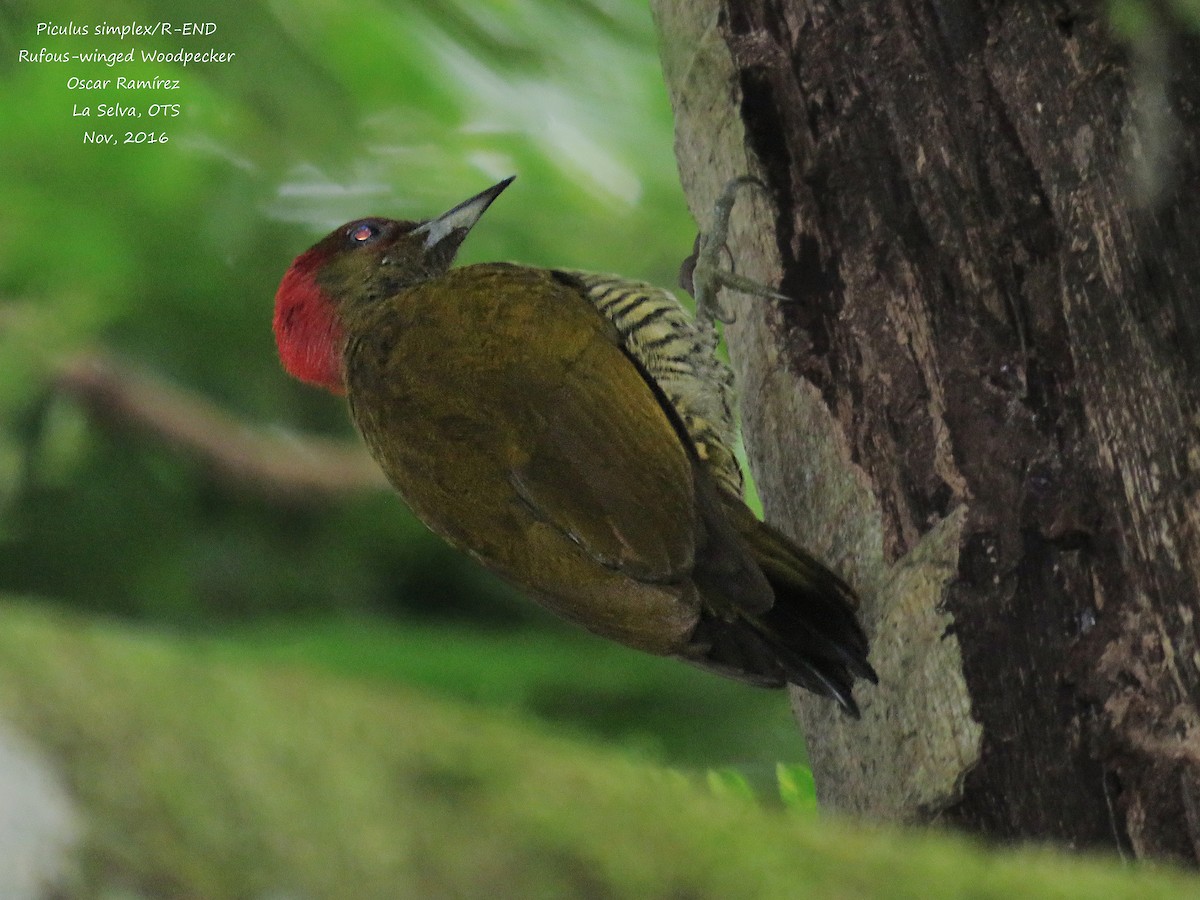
(362, 233)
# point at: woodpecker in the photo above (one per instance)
(572, 432)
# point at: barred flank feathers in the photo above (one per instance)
(681, 358)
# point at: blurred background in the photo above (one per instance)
(158, 469)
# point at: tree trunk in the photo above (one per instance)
(983, 405)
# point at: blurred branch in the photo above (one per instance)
(272, 463)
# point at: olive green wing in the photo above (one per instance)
(614, 466)
(605, 465)
(500, 394)
(680, 356)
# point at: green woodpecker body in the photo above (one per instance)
(573, 433)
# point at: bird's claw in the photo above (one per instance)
(708, 277)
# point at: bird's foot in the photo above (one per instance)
(707, 276)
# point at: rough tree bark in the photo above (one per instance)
(984, 403)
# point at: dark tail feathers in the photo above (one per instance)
(809, 637)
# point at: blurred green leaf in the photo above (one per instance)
(796, 787)
(730, 783)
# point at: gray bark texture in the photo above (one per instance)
(983, 403)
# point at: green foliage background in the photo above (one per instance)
(169, 255)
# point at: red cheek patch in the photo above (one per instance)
(307, 332)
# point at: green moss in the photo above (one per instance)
(574, 682)
(212, 777)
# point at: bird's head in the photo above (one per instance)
(362, 261)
